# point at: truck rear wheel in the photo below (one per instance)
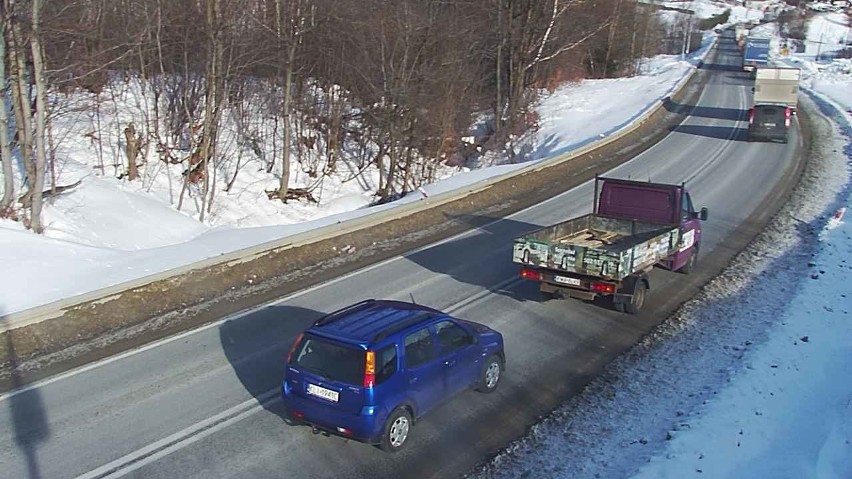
(638, 299)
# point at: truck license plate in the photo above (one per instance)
(564, 280)
(324, 393)
(769, 124)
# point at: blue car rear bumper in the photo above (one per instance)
(364, 428)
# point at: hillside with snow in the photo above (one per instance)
(108, 230)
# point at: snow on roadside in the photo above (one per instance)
(827, 32)
(577, 107)
(681, 396)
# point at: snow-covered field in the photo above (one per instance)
(750, 378)
(108, 231)
(827, 33)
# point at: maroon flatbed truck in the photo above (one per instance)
(633, 227)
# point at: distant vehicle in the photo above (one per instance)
(740, 32)
(633, 226)
(756, 53)
(776, 96)
(368, 371)
(778, 85)
(769, 122)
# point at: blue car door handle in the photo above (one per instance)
(450, 363)
(413, 379)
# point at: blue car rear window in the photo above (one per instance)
(330, 360)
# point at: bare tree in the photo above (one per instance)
(20, 96)
(6, 204)
(292, 19)
(212, 102)
(41, 118)
(398, 79)
(540, 31)
(133, 142)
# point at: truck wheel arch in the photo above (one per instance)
(689, 267)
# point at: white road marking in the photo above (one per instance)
(156, 450)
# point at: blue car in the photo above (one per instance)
(369, 371)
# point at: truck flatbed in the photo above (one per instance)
(608, 247)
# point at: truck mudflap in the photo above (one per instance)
(632, 295)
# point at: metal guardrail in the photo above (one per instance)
(56, 309)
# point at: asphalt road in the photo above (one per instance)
(204, 404)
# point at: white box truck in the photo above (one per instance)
(776, 95)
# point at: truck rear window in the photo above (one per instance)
(330, 360)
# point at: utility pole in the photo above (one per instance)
(819, 45)
(689, 36)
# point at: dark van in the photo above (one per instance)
(769, 122)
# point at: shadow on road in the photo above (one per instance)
(719, 132)
(28, 415)
(493, 262)
(733, 114)
(728, 49)
(721, 68)
(738, 79)
(256, 346)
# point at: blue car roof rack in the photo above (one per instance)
(331, 317)
(375, 312)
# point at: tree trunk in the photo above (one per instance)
(212, 100)
(287, 106)
(6, 203)
(41, 119)
(633, 51)
(334, 143)
(380, 162)
(21, 100)
(611, 38)
(132, 148)
(644, 42)
(501, 41)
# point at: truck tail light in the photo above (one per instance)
(751, 116)
(530, 274)
(294, 346)
(604, 288)
(788, 113)
(370, 369)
